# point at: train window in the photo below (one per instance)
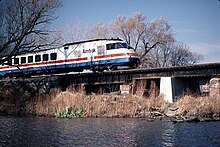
(53, 56)
(6, 61)
(30, 59)
(23, 60)
(109, 46)
(45, 57)
(37, 58)
(116, 46)
(9, 61)
(16, 60)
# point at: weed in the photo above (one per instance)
(69, 112)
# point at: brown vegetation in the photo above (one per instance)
(95, 105)
(117, 105)
(114, 105)
(199, 106)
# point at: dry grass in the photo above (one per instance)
(95, 105)
(6, 108)
(112, 105)
(198, 105)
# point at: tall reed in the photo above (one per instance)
(117, 105)
(198, 105)
(94, 105)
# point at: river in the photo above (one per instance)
(46, 131)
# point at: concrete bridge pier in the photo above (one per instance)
(171, 87)
(167, 88)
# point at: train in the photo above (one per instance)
(96, 54)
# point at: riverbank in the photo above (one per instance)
(186, 108)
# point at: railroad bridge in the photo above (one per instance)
(169, 81)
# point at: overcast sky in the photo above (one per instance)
(194, 22)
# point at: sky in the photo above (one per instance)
(194, 22)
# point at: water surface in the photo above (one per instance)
(44, 131)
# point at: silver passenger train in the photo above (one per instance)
(98, 54)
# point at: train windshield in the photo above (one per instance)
(116, 46)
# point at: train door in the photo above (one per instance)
(65, 55)
(92, 53)
(91, 57)
(89, 54)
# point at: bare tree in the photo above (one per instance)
(73, 31)
(99, 31)
(173, 54)
(24, 25)
(157, 34)
(158, 57)
(153, 41)
(130, 28)
(144, 36)
(180, 55)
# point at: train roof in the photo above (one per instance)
(79, 42)
(67, 44)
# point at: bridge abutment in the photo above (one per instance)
(215, 88)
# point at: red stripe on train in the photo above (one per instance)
(115, 55)
(110, 55)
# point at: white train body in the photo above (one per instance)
(95, 54)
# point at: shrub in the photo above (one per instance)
(69, 112)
